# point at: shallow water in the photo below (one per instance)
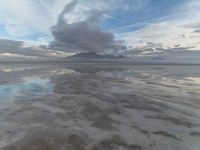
(27, 87)
(99, 107)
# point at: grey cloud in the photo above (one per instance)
(83, 36)
(155, 49)
(16, 47)
(176, 55)
(149, 49)
(66, 9)
(9, 45)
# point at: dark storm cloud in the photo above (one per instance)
(83, 36)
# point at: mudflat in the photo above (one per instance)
(99, 107)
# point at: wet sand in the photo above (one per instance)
(99, 107)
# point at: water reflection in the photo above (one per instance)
(32, 86)
(26, 81)
(93, 107)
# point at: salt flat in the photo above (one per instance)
(99, 107)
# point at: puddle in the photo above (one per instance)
(30, 86)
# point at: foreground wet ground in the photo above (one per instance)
(99, 107)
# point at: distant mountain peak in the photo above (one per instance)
(158, 58)
(93, 55)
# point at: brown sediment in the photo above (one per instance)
(177, 121)
(145, 132)
(114, 143)
(196, 134)
(132, 101)
(165, 134)
(99, 117)
(50, 140)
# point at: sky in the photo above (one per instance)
(152, 30)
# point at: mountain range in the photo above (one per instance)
(93, 55)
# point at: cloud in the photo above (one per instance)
(177, 55)
(180, 27)
(32, 19)
(19, 49)
(29, 17)
(146, 27)
(83, 36)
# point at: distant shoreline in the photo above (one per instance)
(99, 62)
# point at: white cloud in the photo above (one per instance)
(174, 30)
(29, 16)
(170, 35)
(26, 17)
(14, 55)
